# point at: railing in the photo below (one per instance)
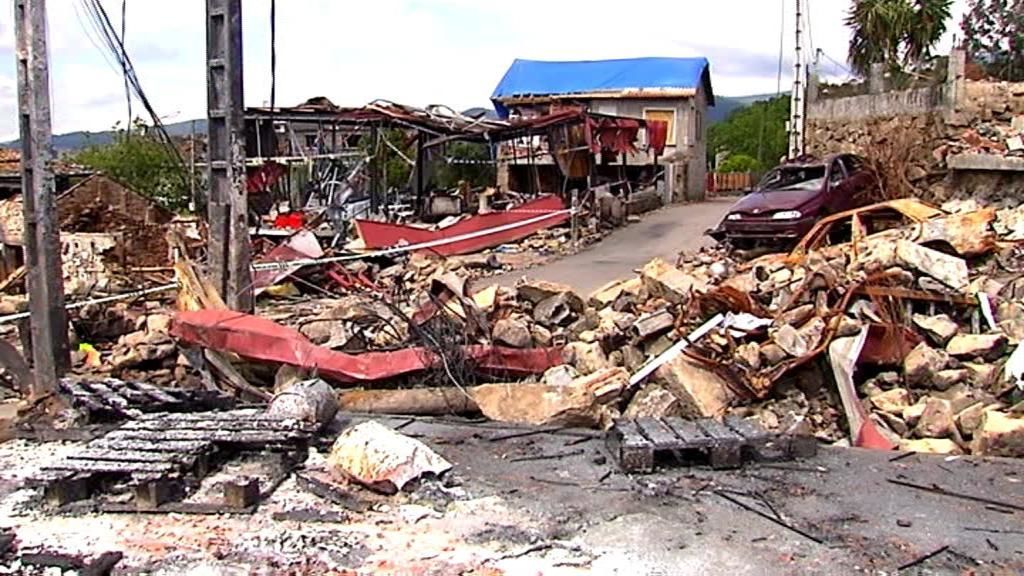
(725, 182)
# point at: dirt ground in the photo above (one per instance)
(552, 502)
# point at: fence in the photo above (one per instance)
(725, 182)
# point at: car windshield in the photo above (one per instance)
(794, 177)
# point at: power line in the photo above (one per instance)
(127, 91)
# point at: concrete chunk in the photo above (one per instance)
(987, 346)
(939, 329)
(512, 332)
(587, 401)
(703, 393)
(663, 280)
(892, 401)
(936, 420)
(923, 363)
(999, 435)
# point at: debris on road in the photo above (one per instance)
(381, 459)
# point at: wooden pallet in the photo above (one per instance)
(162, 456)
(638, 445)
(106, 399)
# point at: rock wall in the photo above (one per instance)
(909, 136)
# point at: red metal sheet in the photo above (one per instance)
(380, 235)
(300, 246)
(261, 339)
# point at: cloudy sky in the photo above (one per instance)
(412, 51)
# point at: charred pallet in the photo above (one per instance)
(160, 458)
(109, 399)
(641, 445)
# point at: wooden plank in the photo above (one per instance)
(158, 394)
(660, 435)
(747, 429)
(103, 466)
(632, 450)
(218, 436)
(98, 454)
(721, 433)
(254, 425)
(183, 446)
(112, 399)
(691, 435)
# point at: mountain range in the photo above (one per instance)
(71, 141)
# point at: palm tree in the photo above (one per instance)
(894, 32)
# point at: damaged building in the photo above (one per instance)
(673, 91)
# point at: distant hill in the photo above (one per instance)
(79, 140)
(724, 105)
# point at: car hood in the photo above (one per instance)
(766, 202)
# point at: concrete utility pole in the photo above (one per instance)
(228, 202)
(49, 321)
(796, 113)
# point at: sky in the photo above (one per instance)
(417, 52)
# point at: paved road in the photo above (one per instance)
(663, 233)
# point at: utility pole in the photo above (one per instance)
(49, 321)
(796, 113)
(228, 203)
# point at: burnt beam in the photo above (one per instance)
(228, 202)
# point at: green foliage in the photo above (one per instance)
(757, 131)
(476, 174)
(897, 33)
(739, 163)
(994, 37)
(142, 162)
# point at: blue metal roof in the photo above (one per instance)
(540, 78)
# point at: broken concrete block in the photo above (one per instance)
(381, 459)
(653, 401)
(666, 281)
(606, 295)
(946, 379)
(512, 332)
(535, 291)
(653, 324)
(788, 339)
(632, 358)
(848, 327)
(558, 310)
(541, 336)
(982, 375)
(773, 354)
(703, 393)
(560, 375)
(936, 420)
(923, 363)
(987, 346)
(939, 329)
(812, 331)
(749, 355)
(158, 323)
(969, 419)
(892, 401)
(999, 434)
(797, 316)
(943, 446)
(587, 401)
(586, 357)
(949, 270)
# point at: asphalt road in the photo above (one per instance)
(663, 233)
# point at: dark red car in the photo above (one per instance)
(792, 197)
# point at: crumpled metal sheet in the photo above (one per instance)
(262, 339)
(381, 459)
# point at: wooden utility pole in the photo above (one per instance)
(49, 321)
(228, 202)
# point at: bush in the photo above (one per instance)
(739, 163)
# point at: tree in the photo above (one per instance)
(897, 33)
(139, 160)
(757, 131)
(994, 36)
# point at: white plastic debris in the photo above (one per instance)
(381, 459)
(1014, 369)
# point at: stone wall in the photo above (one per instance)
(912, 135)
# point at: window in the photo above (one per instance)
(663, 115)
(838, 173)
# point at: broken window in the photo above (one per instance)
(667, 116)
(794, 178)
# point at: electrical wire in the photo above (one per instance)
(810, 30)
(127, 91)
(101, 20)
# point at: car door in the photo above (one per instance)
(863, 185)
(837, 196)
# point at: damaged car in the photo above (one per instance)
(793, 197)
